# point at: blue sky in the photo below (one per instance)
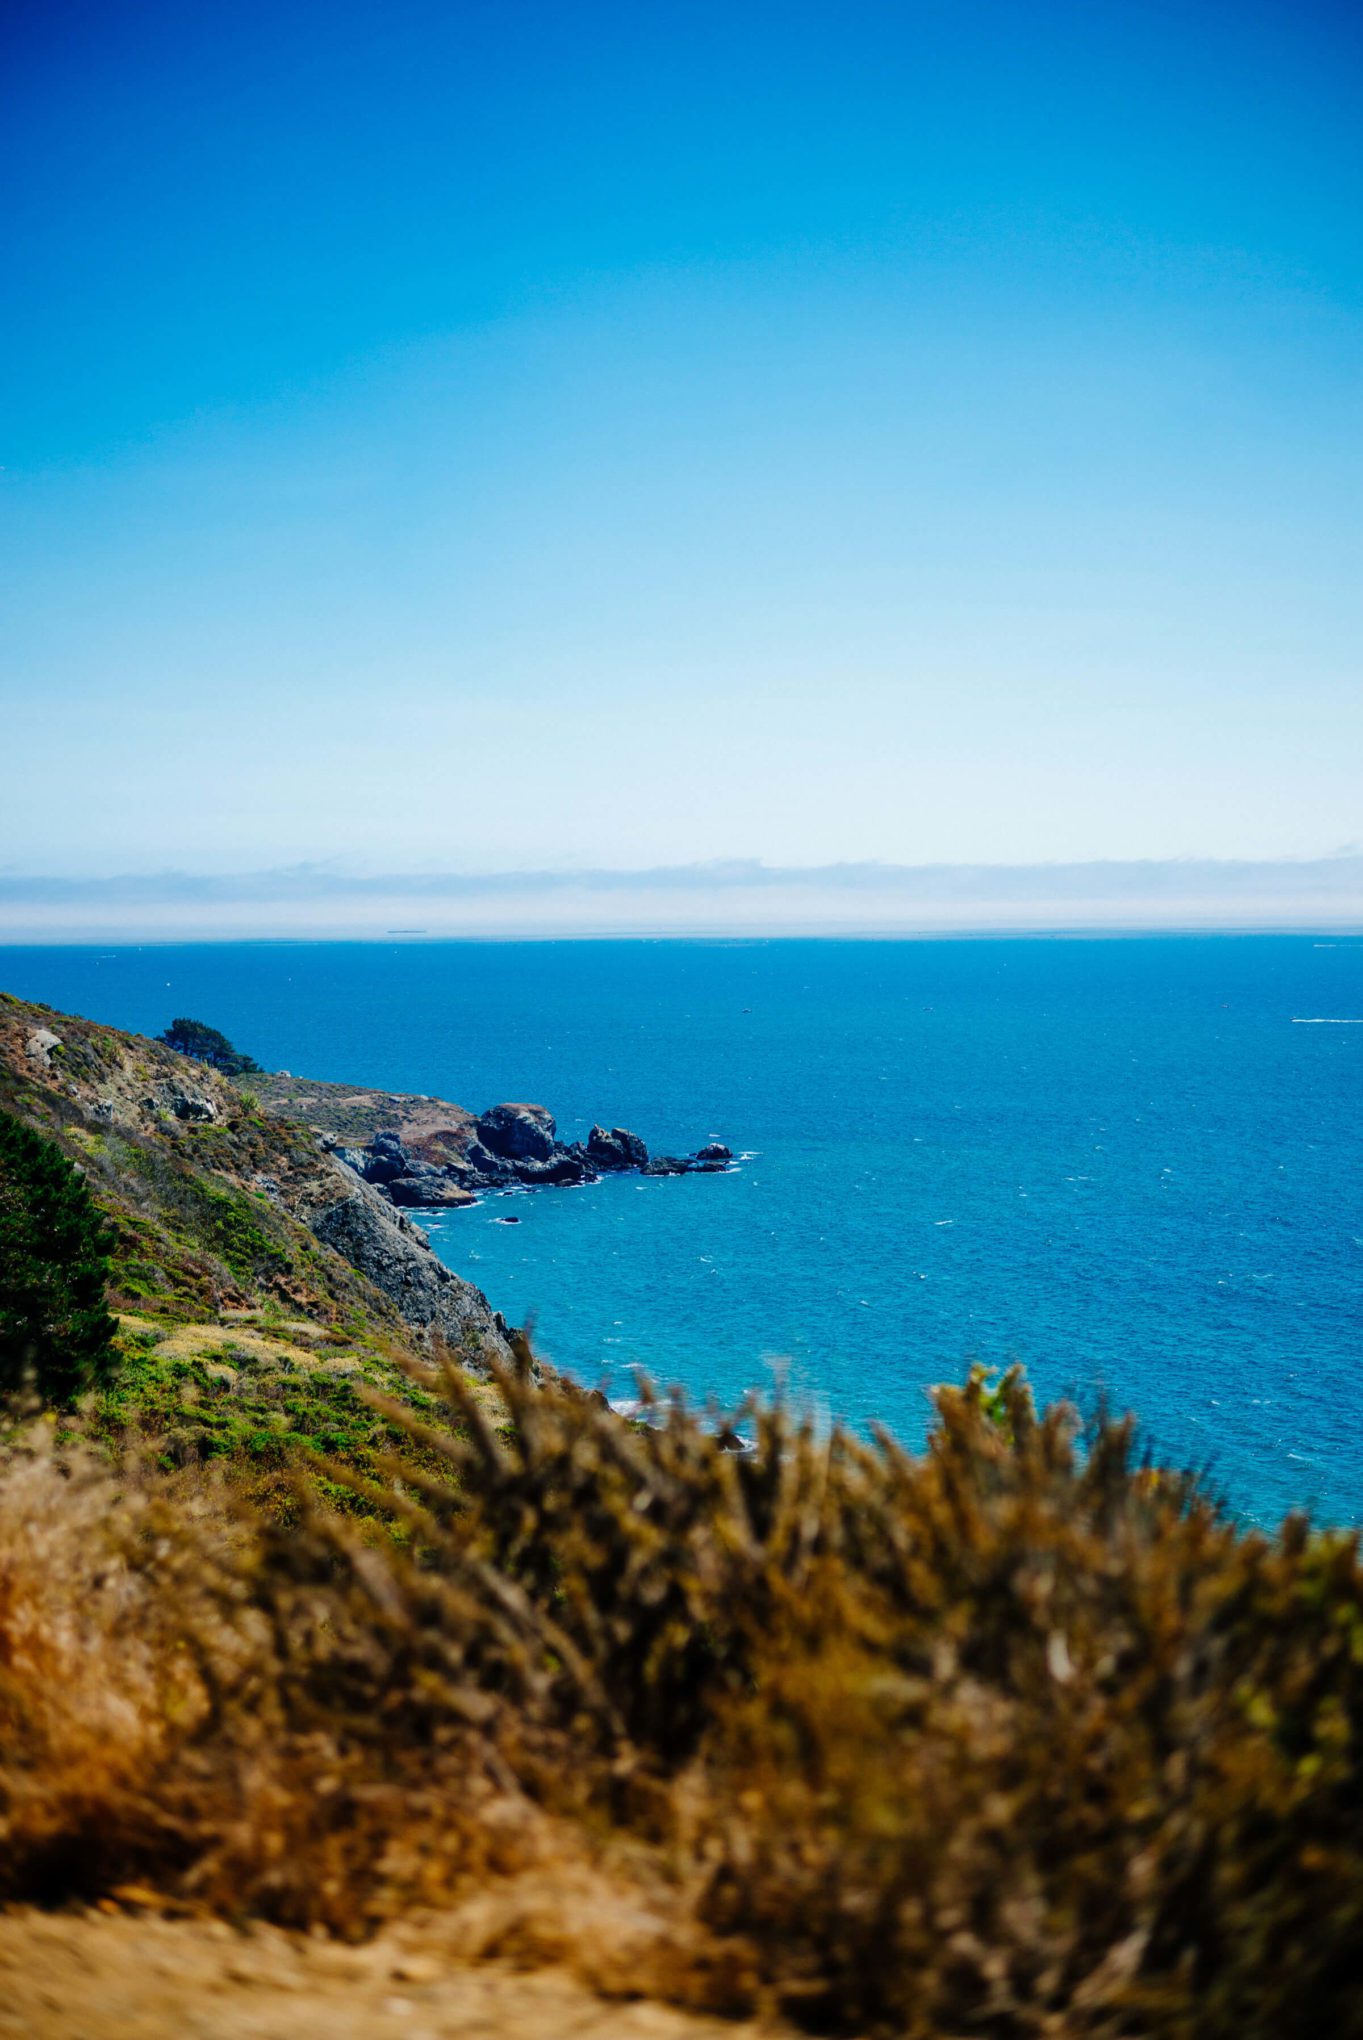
(495, 438)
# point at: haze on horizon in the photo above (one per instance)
(522, 439)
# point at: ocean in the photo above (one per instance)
(1134, 1165)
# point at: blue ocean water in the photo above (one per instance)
(1125, 1163)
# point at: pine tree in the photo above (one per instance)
(207, 1045)
(55, 1329)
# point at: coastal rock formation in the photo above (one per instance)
(449, 1167)
(563, 1166)
(667, 1165)
(425, 1153)
(483, 1166)
(618, 1149)
(710, 1161)
(519, 1133)
(396, 1256)
(428, 1189)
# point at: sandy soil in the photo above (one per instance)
(137, 1977)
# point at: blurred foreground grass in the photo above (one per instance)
(1011, 1739)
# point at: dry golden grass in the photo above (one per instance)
(91, 1689)
(1011, 1739)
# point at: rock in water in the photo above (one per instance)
(519, 1133)
(422, 1184)
(562, 1167)
(483, 1166)
(618, 1149)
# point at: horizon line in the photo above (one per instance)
(738, 899)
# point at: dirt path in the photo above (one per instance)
(129, 1977)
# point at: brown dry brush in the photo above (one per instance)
(1015, 1738)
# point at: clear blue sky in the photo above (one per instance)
(511, 436)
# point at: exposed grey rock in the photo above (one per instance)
(40, 1045)
(191, 1105)
(410, 1181)
(519, 1133)
(384, 1164)
(618, 1149)
(486, 1166)
(562, 1167)
(425, 1185)
(384, 1245)
(711, 1161)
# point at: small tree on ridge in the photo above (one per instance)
(207, 1045)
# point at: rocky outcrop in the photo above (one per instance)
(482, 1167)
(396, 1257)
(40, 1045)
(618, 1149)
(192, 1105)
(506, 1147)
(519, 1133)
(406, 1178)
(711, 1161)
(423, 1187)
(428, 1153)
(565, 1165)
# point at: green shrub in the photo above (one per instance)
(55, 1330)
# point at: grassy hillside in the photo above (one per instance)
(356, 1112)
(244, 1339)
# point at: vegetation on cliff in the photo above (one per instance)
(56, 1333)
(205, 1044)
